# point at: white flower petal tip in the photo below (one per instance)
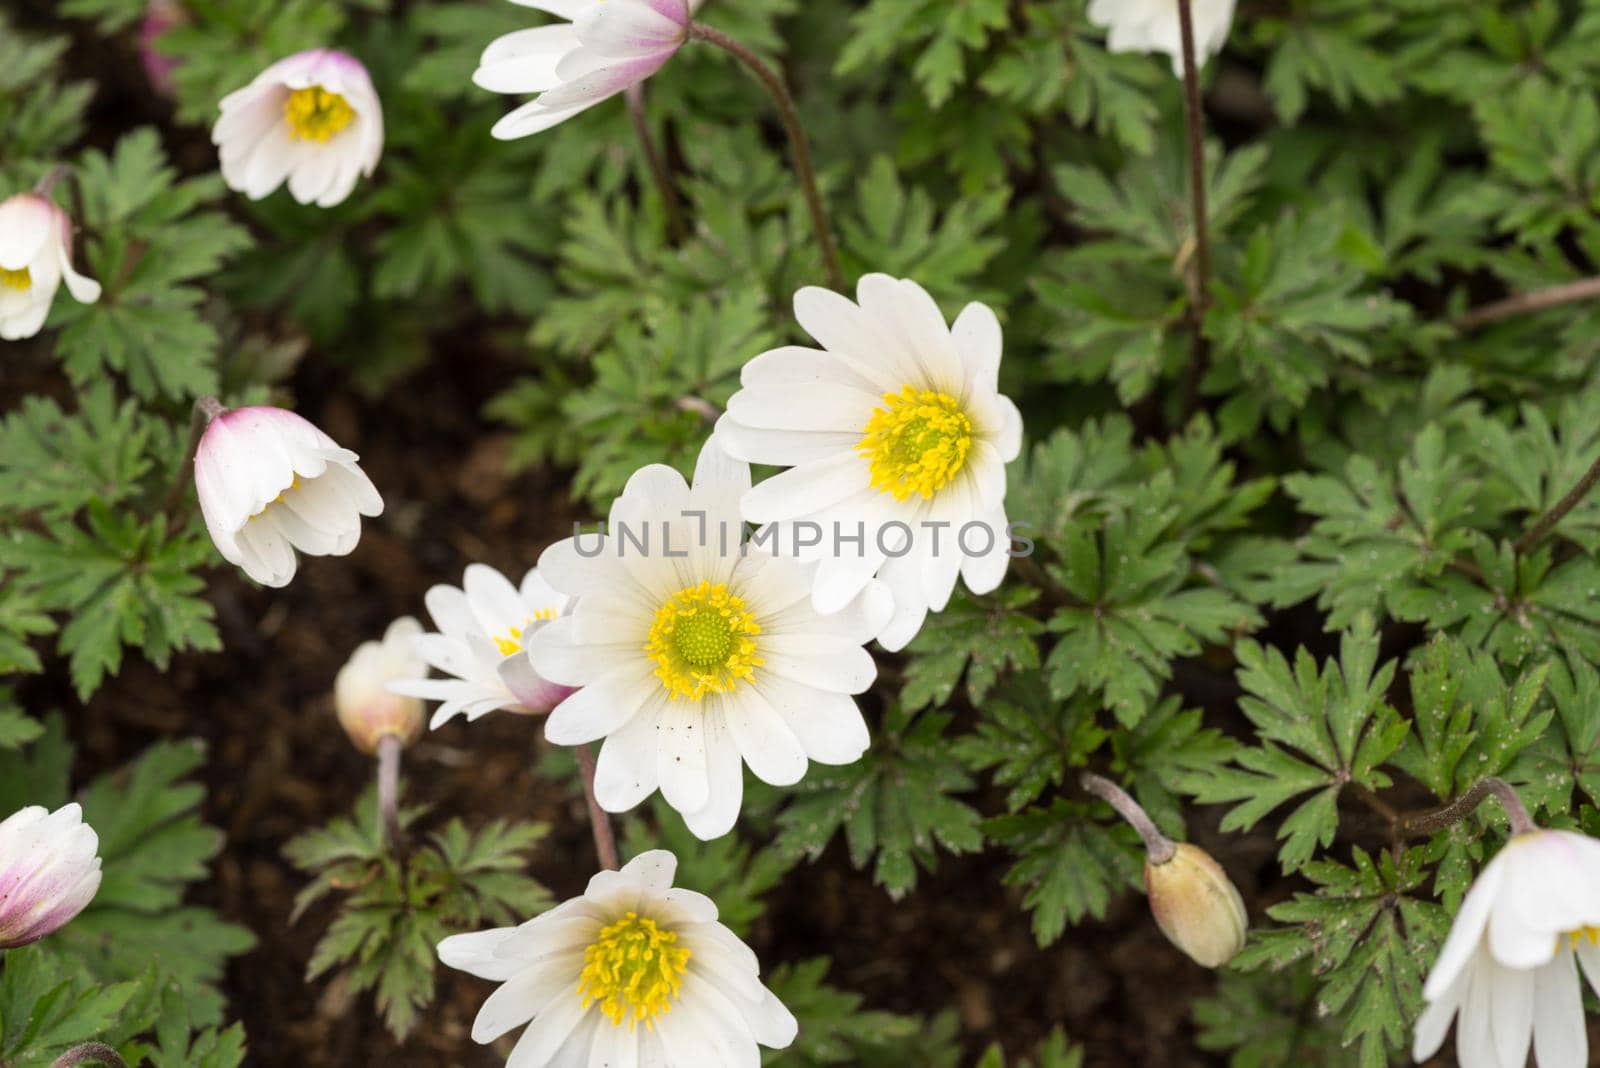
(366, 708)
(1510, 967)
(633, 972)
(696, 654)
(895, 438)
(35, 258)
(312, 120)
(602, 50)
(270, 483)
(1152, 26)
(49, 871)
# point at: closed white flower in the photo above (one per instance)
(484, 629)
(313, 119)
(35, 257)
(1508, 973)
(366, 708)
(49, 871)
(270, 483)
(896, 438)
(633, 974)
(695, 655)
(604, 47)
(1152, 26)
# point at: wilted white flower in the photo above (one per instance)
(693, 651)
(35, 257)
(484, 629)
(270, 483)
(605, 47)
(1508, 972)
(633, 973)
(48, 871)
(1152, 26)
(366, 708)
(896, 438)
(313, 118)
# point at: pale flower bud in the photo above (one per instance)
(1196, 906)
(367, 710)
(49, 871)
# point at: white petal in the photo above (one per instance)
(604, 706)
(1560, 1037)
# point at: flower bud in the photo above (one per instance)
(367, 710)
(159, 17)
(49, 871)
(1196, 906)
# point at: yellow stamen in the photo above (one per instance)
(1590, 933)
(511, 641)
(19, 279)
(634, 970)
(916, 443)
(703, 641)
(316, 114)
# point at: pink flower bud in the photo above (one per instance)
(49, 871)
(366, 708)
(1196, 906)
(159, 17)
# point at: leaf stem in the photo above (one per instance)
(1542, 526)
(1538, 300)
(90, 1051)
(1194, 121)
(773, 81)
(605, 842)
(1422, 824)
(389, 747)
(1158, 848)
(657, 164)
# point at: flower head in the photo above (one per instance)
(634, 972)
(313, 118)
(605, 47)
(695, 654)
(270, 483)
(35, 257)
(484, 630)
(49, 871)
(1509, 969)
(1196, 905)
(1152, 26)
(366, 708)
(896, 438)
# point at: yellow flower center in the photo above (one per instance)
(1582, 933)
(633, 970)
(703, 640)
(315, 114)
(916, 443)
(18, 279)
(511, 641)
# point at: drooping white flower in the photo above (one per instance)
(633, 974)
(49, 871)
(896, 438)
(1508, 973)
(484, 630)
(35, 257)
(695, 655)
(312, 118)
(604, 47)
(1152, 26)
(366, 707)
(270, 483)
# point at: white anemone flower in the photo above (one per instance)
(605, 47)
(270, 483)
(366, 708)
(1152, 26)
(1508, 973)
(49, 871)
(35, 258)
(695, 654)
(634, 973)
(484, 629)
(312, 118)
(896, 438)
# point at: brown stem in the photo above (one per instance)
(1542, 526)
(797, 139)
(605, 842)
(90, 1051)
(389, 747)
(198, 418)
(1422, 824)
(1521, 303)
(1194, 120)
(1158, 848)
(657, 164)
(51, 177)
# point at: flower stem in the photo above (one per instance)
(657, 164)
(797, 140)
(210, 407)
(1158, 848)
(605, 842)
(389, 747)
(51, 177)
(1538, 300)
(1422, 824)
(198, 418)
(1542, 526)
(90, 1051)
(1194, 120)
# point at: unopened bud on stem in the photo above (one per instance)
(367, 710)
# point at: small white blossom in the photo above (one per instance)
(1152, 26)
(35, 258)
(49, 871)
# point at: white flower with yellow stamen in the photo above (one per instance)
(1152, 26)
(633, 974)
(35, 258)
(896, 438)
(1509, 969)
(484, 628)
(695, 655)
(312, 118)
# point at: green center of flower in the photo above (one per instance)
(19, 279)
(916, 443)
(315, 114)
(703, 641)
(633, 970)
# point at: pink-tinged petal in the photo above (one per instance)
(27, 223)
(598, 85)
(626, 29)
(676, 10)
(532, 118)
